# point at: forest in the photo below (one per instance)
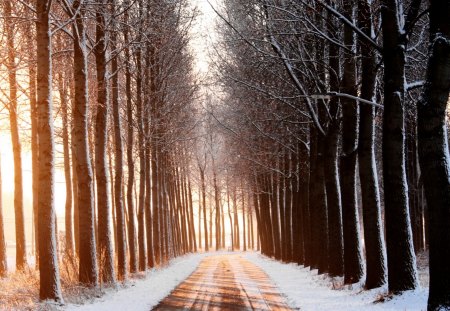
(313, 132)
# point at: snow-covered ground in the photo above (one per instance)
(145, 293)
(306, 290)
(303, 289)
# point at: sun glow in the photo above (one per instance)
(7, 174)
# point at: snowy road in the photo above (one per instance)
(225, 282)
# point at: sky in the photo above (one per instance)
(203, 33)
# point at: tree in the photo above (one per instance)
(130, 159)
(350, 109)
(434, 155)
(88, 273)
(332, 182)
(118, 163)
(67, 168)
(400, 253)
(106, 257)
(9, 24)
(373, 228)
(201, 168)
(50, 287)
(34, 136)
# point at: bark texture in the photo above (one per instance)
(105, 249)
(353, 266)
(88, 273)
(400, 253)
(50, 287)
(373, 228)
(434, 154)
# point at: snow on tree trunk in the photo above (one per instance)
(400, 253)
(50, 287)
(105, 249)
(373, 228)
(332, 182)
(353, 265)
(130, 159)
(434, 154)
(118, 163)
(88, 273)
(142, 168)
(153, 161)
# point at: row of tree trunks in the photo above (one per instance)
(9, 25)
(92, 110)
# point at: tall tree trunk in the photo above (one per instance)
(373, 228)
(154, 147)
(67, 170)
(282, 210)
(151, 197)
(434, 154)
(21, 259)
(110, 164)
(34, 137)
(229, 216)
(76, 213)
(210, 222)
(105, 249)
(275, 216)
(142, 167)
(353, 265)
(217, 204)
(265, 207)
(191, 216)
(130, 160)
(205, 221)
(118, 163)
(88, 273)
(332, 182)
(164, 218)
(50, 287)
(400, 253)
(303, 186)
(237, 232)
(154, 182)
(333, 189)
(321, 215)
(287, 213)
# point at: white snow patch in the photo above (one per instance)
(146, 293)
(305, 290)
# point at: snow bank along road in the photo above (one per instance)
(225, 282)
(236, 281)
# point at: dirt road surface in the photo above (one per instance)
(225, 282)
